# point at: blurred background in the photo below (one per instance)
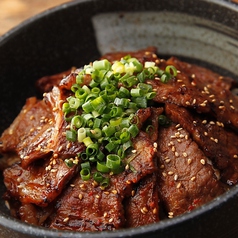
(13, 12)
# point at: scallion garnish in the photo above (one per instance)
(102, 113)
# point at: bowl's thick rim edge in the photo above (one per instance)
(10, 223)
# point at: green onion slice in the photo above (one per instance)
(102, 114)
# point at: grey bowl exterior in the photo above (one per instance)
(70, 35)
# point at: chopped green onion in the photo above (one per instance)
(163, 120)
(123, 102)
(136, 92)
(101, 114)
(77, 121)
(85, 165)
(105, 183)
(98, 177)
(85, 174)
(113, 161)
(87, 141)
(115, 121)
(81, 134)
(171, 70)
(101, 64)
(92, 149)
(69, 163)
(165, 77)
(134, 130)
(96, 133)
(101, 167)
(71, 135)
(74, 102)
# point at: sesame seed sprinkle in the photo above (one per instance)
(105, 214)
(202, 161)
(66, 219)
(154, 211)
(144, 210)
(178, 185)
(185, 154)
(189, 161)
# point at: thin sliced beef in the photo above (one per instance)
(217, 143)
(30, 130)
(148, 54)
(84, 206)
(33, 214)
(40, 183)
(46, 83)
(186, 177)
(214, 88)
(180, 91)
(142, 207)
(37, 131)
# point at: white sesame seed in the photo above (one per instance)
(144, 210)
(167, 161)
(185, 154)
(189, 161)
(66, 219)
(154, 211)
(202, 161)
(178, 185)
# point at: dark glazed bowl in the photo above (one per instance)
(75, 33)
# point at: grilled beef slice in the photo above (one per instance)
(40, 183)
(186, 177)
(37, 131)
(85, 206)
(216, 90)
(142, 207)
(218, 143)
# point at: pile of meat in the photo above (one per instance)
(176, 168)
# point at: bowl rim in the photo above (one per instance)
(19, 226)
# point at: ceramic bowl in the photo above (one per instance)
(73, 34)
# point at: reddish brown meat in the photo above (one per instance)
(142, 207)
(40, 183)
(185, 174)
(148, 54)
(38, 130)
(85, 206)
(215, 91)
(46, 83)
(174, 168)
(217, 143)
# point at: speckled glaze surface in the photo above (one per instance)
(77, 32)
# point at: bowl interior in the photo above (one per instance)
(73, 34)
